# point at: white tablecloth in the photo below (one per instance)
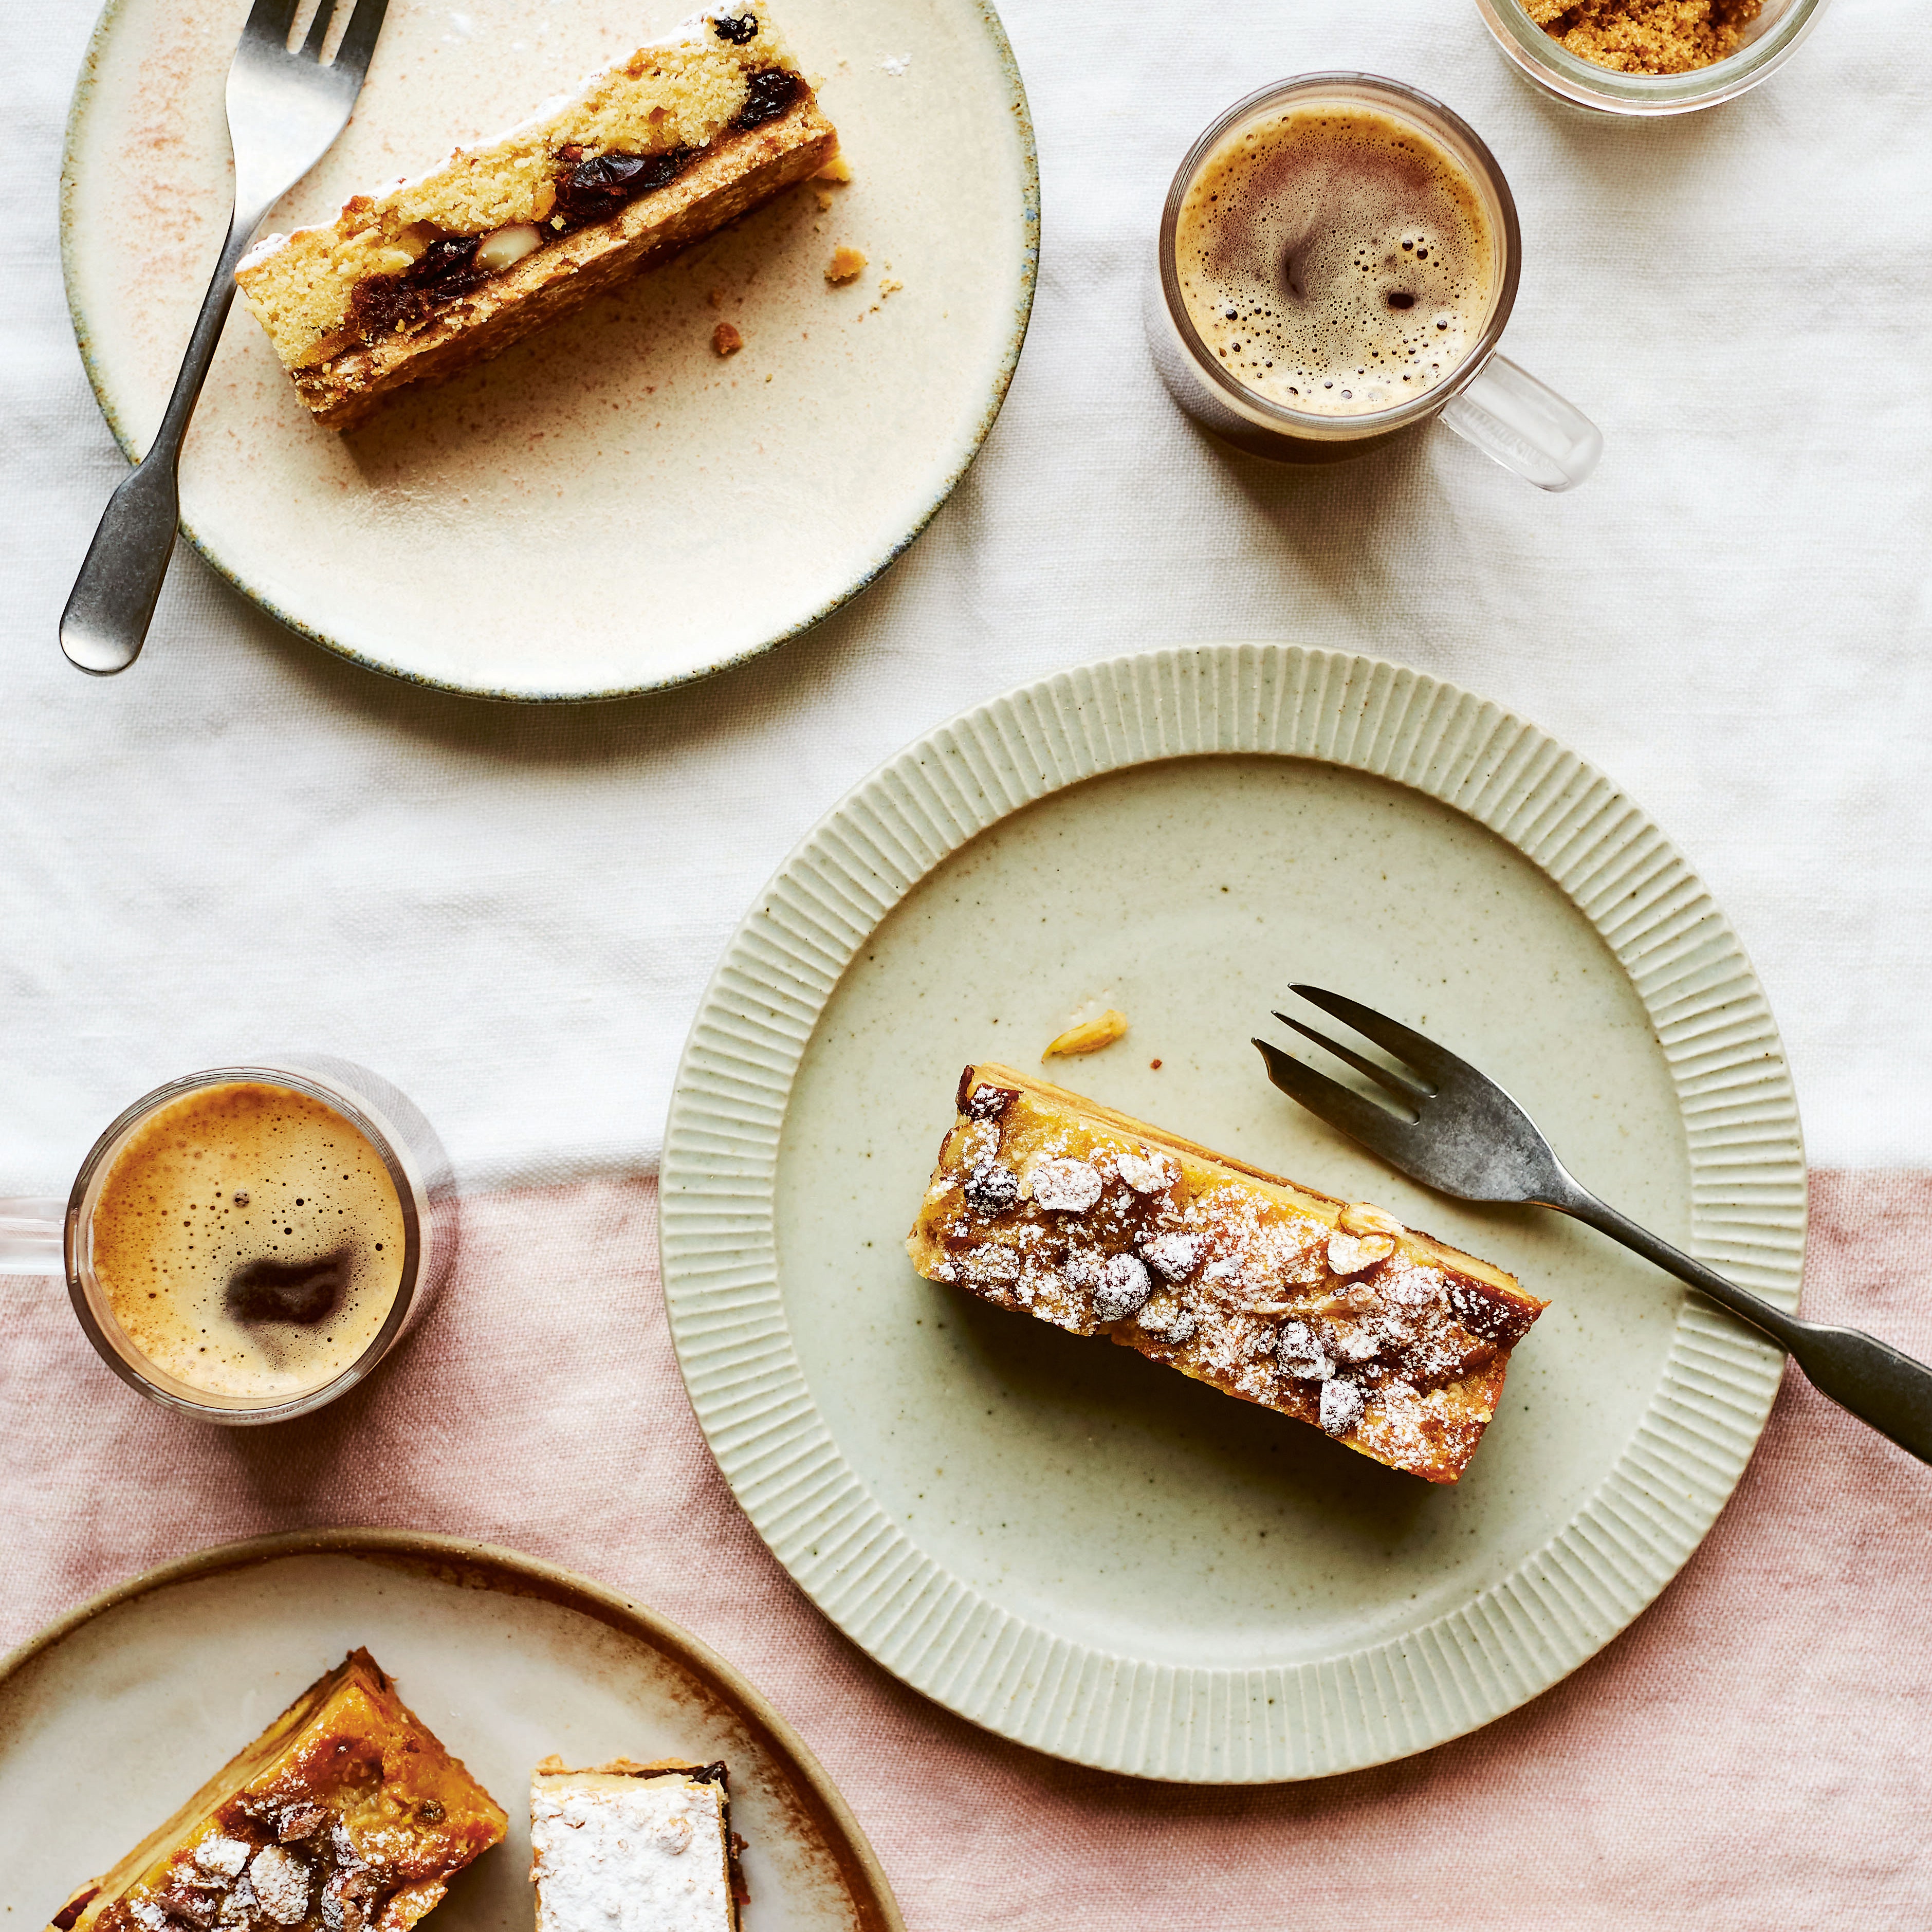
(244, 844)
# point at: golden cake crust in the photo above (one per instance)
(1331, 1312)
(735, 176)
(347, 1799)
(424, 278)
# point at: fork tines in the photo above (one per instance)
(271, 21)
(1402, 1088)
(1416, 1080)
(1361, 1119)
(1434, 1063)
(359, 38)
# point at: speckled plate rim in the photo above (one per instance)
(78, 110)
(1140, 1716)
(473, 1565)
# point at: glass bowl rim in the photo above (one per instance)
(1554, 68)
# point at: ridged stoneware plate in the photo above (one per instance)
(1074, 1547)
(608, 507)
(126, 1704)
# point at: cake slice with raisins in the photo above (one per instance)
(657, 1837)
(1328, 1311)
(428, 277)
(345, 1815)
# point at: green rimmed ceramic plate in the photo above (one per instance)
(133, 1699)
(609, 507)
(1066, 1544)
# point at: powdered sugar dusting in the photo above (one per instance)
(1066, 1187)
(1124, 1285)
(281, 1879)
(1175, 1256)
(628, 1855)
(1170, 1320)
(224, 1857)
(1145, 1173)
(1342, 1407)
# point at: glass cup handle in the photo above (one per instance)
(1526, 427)
(31, 1237)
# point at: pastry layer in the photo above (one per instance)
(1331, 1312)
(435, 274)
(630, 1847)
(345, 1815)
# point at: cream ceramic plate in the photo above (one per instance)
(1065, 1543)
(112, 1717)
(608, 507)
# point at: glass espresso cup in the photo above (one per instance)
(245, 1244)
(1483, 396)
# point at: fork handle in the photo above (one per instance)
(112, 601)
(1874, 1381)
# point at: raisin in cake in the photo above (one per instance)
(345, 1815)
(1330, 1311)
(648, 1847)
(419, 281)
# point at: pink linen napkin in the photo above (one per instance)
(1751, 1753)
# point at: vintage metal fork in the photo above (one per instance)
(1468, 1137)
(285, 110)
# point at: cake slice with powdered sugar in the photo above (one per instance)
(1329, 1311)
(630, 1847)
(345, 1815)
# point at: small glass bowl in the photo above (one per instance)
(1554, 68)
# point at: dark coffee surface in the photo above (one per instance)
(302, 1292)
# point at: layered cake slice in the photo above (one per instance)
(345, 1815)
(1328, 1311)
(649, 1846)
(419, 281)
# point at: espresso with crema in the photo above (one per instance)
(250, 1241)
(1335, 260)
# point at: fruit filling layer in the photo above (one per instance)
(586, 189)
(389, 261)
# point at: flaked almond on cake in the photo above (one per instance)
(1329, 1311)
(419, 281)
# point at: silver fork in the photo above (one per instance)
(285, 110)
(1468, 1137)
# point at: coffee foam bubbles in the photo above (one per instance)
(1335, 260)
(250, 1241)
